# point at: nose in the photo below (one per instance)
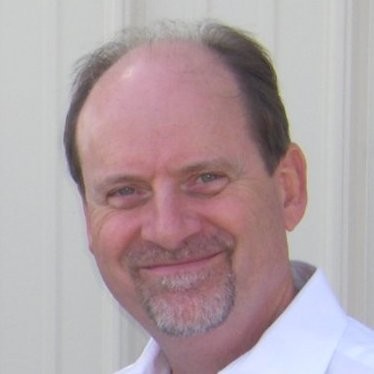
(169, 220)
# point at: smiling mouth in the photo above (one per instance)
(186, 265)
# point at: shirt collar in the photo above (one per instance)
(304, 338)
(151, 361)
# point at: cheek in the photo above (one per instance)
(254, 218)
(109, 234)
(246, 213)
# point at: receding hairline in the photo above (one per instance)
(171, 49)
(128, 41)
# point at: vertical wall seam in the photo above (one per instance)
(333, 116)
(346, 127)
(48, 185)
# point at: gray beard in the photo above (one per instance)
(187, 302)
(180, 308)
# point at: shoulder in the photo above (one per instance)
(355, 351)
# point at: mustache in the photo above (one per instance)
(147, 254)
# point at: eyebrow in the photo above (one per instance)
(114, 180)
(214, 165)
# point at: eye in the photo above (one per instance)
(208, 177)
(207, 184)
(126, 191)
(128, 197)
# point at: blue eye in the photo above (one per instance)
(128, 197)
(125, 191)
(206, 184)
(208, 177)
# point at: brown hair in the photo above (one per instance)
(240, 53)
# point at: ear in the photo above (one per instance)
(291, 177)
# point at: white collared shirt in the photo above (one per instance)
(312, 336)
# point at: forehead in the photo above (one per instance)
(163, 91)
(165, 67)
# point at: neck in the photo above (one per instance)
(210, 352)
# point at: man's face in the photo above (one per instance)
(187, 226)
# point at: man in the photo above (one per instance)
(178, 142)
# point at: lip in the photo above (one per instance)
(193, 264)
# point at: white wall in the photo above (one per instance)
(55, 314)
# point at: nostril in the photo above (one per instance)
(169, 217)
